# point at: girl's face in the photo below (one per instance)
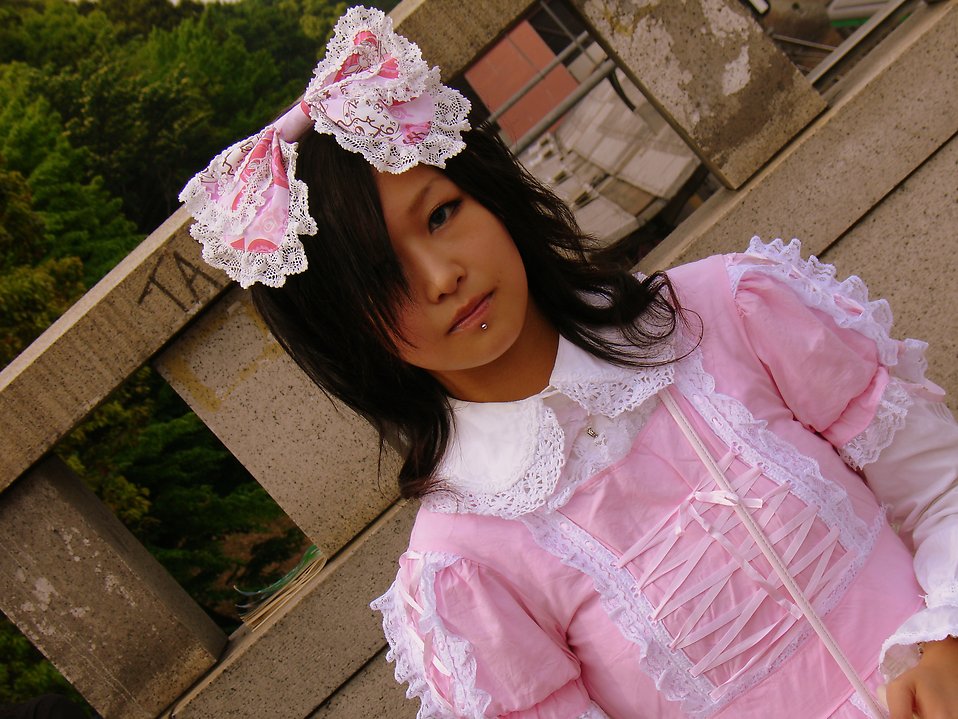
(469, 321)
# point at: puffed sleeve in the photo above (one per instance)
(829, 351)
(468, 646)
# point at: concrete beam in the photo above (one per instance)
(327, 633)
(898, 106)
(712, 72)
(452, 34)
(100, 341)
(94, 601)
(372, 692)
(317, 459)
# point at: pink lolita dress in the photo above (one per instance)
(583, 563)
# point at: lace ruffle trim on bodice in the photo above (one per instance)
(453, 655)
(625, 395)
(631, 610)
(780, 461)
(847, 303)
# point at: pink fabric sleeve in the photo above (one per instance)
(526, 668)
(469, 646)
(828, 347)
(830, 377)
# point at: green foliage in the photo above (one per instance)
(132, 18)
(106, 109)
(81, 218)
(31, 298)
(53, 35)
(22, 232)
(33, 291)
(24, 673)
(165, 475)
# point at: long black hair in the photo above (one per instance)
(335, 318)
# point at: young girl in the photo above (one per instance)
(641, 497)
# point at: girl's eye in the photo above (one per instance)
(442, 214)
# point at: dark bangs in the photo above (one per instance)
(336, 318)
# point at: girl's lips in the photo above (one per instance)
(472, 314)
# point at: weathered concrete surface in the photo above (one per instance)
(318, 460)
(451, 33)
(373, 692)
(896, 109)
(712, 72)
(293, 663)
(102, 339)
(91, 598)
(905, 250)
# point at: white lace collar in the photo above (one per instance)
(506, 458)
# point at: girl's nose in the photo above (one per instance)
(436, 273)
(441, 277)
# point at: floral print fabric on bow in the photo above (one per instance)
(356, 96)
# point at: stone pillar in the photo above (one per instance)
(713, 74)
(317, 459)
(326, 634)
(94, 601)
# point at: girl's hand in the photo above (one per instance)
(929, 690)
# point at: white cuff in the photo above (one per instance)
(900, 653)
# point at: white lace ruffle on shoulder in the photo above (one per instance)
(900, 651)
(405, 623)
(847, 303)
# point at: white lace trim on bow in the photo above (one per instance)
(406, 621)
(379, 94)
(215, 220)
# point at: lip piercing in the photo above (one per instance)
(484, 326)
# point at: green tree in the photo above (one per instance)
(33, 291)
(81, 218)
(24, 673)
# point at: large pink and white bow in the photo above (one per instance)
(374, 93)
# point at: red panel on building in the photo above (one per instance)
(507, 67)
